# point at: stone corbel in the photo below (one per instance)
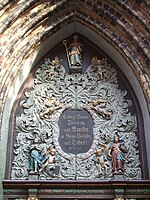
(32, 194)
(119, 194)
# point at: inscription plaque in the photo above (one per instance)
(76, 131)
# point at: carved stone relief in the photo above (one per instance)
(69, 123)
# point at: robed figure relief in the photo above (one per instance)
(117, 152)
(74, 53)
(35, 157)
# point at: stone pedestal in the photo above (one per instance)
(32, 194)
(33, 176)
(75, 69)
(118, 176)
(119, 192)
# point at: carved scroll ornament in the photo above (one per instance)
(56, 92)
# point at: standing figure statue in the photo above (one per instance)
(116, 152)
(35, 157)
(74, 52)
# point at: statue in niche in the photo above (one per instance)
(35, 157)
(74, 52)
(116, 152)
(51, 106)
(54, 65)
(99, 106)
(98, 66)
(101, 158)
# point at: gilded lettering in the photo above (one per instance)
(83, 129)
(67, 143)
(69, 117)
(82, 116)
(74, 129)
(67, 130)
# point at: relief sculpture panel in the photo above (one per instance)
(76, 125)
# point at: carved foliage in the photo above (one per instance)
(49, 97)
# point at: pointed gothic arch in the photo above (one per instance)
(68, 22)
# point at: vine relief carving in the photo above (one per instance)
(93, 109)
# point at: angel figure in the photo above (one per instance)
(49, 159)
(99, 106)
(98, 65)
(54, 67)
(51, 106)
(101, 158)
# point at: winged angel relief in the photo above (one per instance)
(38, 132)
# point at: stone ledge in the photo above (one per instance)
(80, 188)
